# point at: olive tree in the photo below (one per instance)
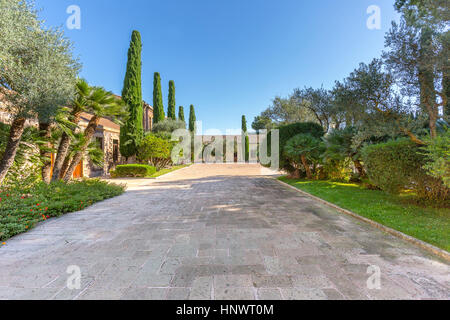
(37, 72)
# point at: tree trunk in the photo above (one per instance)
(426, 80)
(63, 150)
(446, 91)
(15, 134)
(307, 168)
(64, 168)
(359, 167)
(44, 150)
(88, 134)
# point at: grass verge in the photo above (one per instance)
(20, 211)
(431, 225)
(166, 171)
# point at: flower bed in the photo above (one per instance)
(21, 211)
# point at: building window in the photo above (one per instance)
(116, 151)
(99, 141)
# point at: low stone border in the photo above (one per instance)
(426, 246)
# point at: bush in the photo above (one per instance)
(156, 151)
(133, 171)
(304, 150)
(168, 126)
(398, 165)
(289, 131)
(438, 152)
(21, 210)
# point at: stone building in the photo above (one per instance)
(107, 135)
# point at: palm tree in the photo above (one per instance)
(100, 103)
(83, 92)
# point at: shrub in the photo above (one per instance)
(133, 171)
(398, 165)
(289, 131)
(168, 126)
(22, 209)
(156, 151)
(438, 152)
(304, 150)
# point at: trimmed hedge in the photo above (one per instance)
(133, 171)
(397, 165)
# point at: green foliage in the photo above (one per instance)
(133, 130)
(156, 151)
(36, 63)
(246, 139)
(304, 150)
(166, 127)
(22, 209)
(397, 165)
(339, 143)
(192, 119)
(158, 106)
(438, 152)
(25, 172)
(133, 171)
(340, 146)
(181, 114)
(289, 131)
(262, 123)
(171, 113)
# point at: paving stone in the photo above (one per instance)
(272, 281)
(269, 294)
(178, 294)
(303, 294)
(234, 294)
(228, 281)
(145, 294)
(201, 288)
(215, 232)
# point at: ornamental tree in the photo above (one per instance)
(192, 119)
(37, 72)
(158, 106)
(181, 114)
(171, 112)
(132, 131)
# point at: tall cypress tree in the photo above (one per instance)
(171, 113)
(246, 139)
(181, 114)
(158, 107)
(446, 86)
(192, 119)
(133, 130)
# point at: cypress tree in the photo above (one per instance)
(158, 107)
(246, 139)
(446, 87)
(192, 119)
(181, 114)
(171, 113)
(132, 131)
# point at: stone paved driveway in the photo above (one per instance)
(215, 232)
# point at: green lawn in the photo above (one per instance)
(166, 171)
(428, 224)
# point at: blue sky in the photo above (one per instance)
(228, 58)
